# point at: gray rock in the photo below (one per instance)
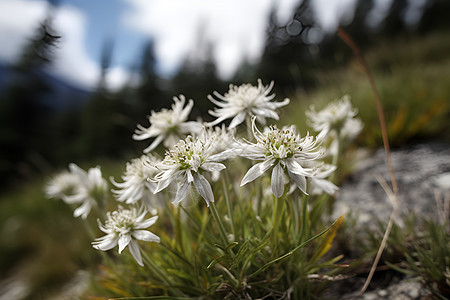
(404, 290)
(421, 170)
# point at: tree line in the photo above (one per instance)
(35, 138)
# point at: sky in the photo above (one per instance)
(235, 28)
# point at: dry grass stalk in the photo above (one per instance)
(392, 193)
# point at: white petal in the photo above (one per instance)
(237, 120)
(225, 155)
(168, 177)
(134, 250)
(154, 144)
(294, 167)
(72, 199)
(325, 185)
(145, 235)
(266, 113)
(147, 223)
(277, 181)
(299, 180)
(182, 191)
(212, 166)
(124, 240)
(190, 127)
(256, 171)
(218, 120)
(105, 243)
(189, 176)
(83, 210)
(80, 173)
(203, 188)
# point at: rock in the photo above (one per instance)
(421, 171)
(404, 290)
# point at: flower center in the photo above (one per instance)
(188, 154)
(244, 95)
(281, 144)
(120, 220)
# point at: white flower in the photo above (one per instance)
(186, 162)
(319, 182)
(223, 140)
(62, 185)
(351, 129)
(223, 137)
(91, 188)
(245, 101)
(280, 149)
(123, 227)
(334, 118)
(168, 125)
(135, 186)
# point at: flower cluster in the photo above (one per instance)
(335, 122)
(123, 227)
(79, 186)
(136, 187)
(196, 155)
(281, 149)
(245, 101)
(168, 126)
(186, 162)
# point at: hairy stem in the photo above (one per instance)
(228, 202)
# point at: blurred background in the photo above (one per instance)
(76, 77)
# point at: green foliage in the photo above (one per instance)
(424, 251)
(40, 240)
(195, 262)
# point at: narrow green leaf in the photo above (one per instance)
(232, 245)
(295, 249)
(215, 261)
(325, 245)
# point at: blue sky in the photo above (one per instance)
(235, 27)
(104, 23)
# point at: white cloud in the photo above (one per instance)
(72, 61)
(19, 20)
(235, 27)
(118, 77)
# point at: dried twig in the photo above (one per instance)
(392, 193)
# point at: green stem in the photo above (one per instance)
(333, 176)
(162, 276)
(178, 233)
(248, 124)
(228, 202)
(222, 231)
(276, 216)
(259, 195)
(295, 212)
(304, 218)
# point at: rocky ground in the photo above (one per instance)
(422, 172)
(423, 175)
